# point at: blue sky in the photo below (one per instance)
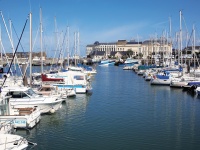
(97, 20)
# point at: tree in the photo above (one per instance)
(129, 52)
(140, 55)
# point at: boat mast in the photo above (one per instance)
(181, 37)
(13, 50)
(138, 45)
(194, 47)
(7, 32)
(106, 50)
(178, 48)
(1, 48)
(41, 40)
(75, 48)
(30, 56)
(78, 45)
(68, 46)
(170, 39)
(163, 47)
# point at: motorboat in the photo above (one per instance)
(51, 77)
(191, 84)
(127, 67)
(140, 72)
(89, 71)
(178, 83)
(50, 90)
(23, 97)
(107, 62)
(163, 78)
(73, 80)
(70, 92)
(20, 117)
(148, 76)
(131, 61)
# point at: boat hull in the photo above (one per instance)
(44, 107)
(21, 121)
(160, 80)
(79, 89)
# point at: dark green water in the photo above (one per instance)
(123, 113)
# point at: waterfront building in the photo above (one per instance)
(156, 48)
(115, 49)
(188, 51)
(146, 49)
(89, 49)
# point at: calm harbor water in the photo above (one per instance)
(123, 113)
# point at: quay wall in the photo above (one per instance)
(47, 61)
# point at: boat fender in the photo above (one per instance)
(52, 111)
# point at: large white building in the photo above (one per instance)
(156, 47)
(148, 48)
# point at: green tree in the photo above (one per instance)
(140, 55)
(129, 52)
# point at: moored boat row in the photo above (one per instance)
(21, 106)
(175, 77)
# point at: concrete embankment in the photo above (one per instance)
(48, 61)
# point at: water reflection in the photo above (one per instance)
(127, 113)
(174, 112)
(69, 114)
(78, 105)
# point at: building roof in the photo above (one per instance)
(110, 43)
(134, 42)
(95, 52)
(90, 45)
(191, 47)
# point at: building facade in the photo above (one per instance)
(146, 49)
(156, 48)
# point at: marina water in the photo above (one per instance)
(124, 112)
